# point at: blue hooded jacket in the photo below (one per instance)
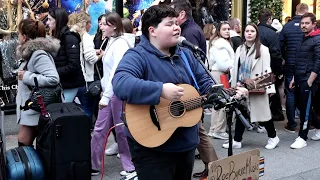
(139, 79)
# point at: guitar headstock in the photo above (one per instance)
(260, 82)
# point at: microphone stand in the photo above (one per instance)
(231, 105)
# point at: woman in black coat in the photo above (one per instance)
(68, 58)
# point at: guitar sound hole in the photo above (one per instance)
(176, 108)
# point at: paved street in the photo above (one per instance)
(281, 163)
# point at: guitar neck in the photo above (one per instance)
(193, 103)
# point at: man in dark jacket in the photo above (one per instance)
(306, 79)
(189, 28)
(290, 37)
(269, 38)
(193, 33)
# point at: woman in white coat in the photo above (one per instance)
(221, 57)
(252, 59)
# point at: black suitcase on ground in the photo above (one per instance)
(63, 142)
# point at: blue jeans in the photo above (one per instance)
(70, 94)
(87, 103)
(290, 100)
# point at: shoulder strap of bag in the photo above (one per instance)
(184, 57)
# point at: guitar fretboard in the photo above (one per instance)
(193, 103)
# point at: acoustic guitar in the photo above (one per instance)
(151, 126)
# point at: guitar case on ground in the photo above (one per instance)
(63, 142)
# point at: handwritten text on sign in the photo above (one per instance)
(244, 166)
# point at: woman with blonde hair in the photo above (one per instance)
(81, 23)
(221, 57)
(252, 59)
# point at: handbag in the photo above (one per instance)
(94, 88)
(50, 95)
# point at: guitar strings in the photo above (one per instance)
(174, 107)
(179, 105)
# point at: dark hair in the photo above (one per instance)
(32, 28)
(165, 2)
(264, 15)
(127, 25)
(154, 15)
(310, 15)
(318, 24)
(114, 19)
(61, 17)
(257, 43)
(98, 35)
(182, 5)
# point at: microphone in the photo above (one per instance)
(183, 42)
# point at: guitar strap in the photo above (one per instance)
(184, 57)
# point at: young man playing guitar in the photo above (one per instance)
(149, 72)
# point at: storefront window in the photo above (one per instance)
(286, 12)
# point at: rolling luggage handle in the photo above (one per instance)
(25, 163)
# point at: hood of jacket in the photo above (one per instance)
(145, 43)
(315, 33)
(131, 38)
(50, 45)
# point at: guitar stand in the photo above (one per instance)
(229, 112)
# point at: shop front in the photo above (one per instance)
(289, 7)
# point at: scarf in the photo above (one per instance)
(245, 67)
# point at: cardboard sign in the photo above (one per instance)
(243, 166)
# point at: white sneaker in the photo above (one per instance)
(235, 145)
(126, 173)
(299, 143)
(316, 135)
(132, 176)
(118, 155)
(272, 143)
(221, 135)
(261, 129)
(112, 150)
(210, 134)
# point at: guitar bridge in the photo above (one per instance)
(154, 117)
